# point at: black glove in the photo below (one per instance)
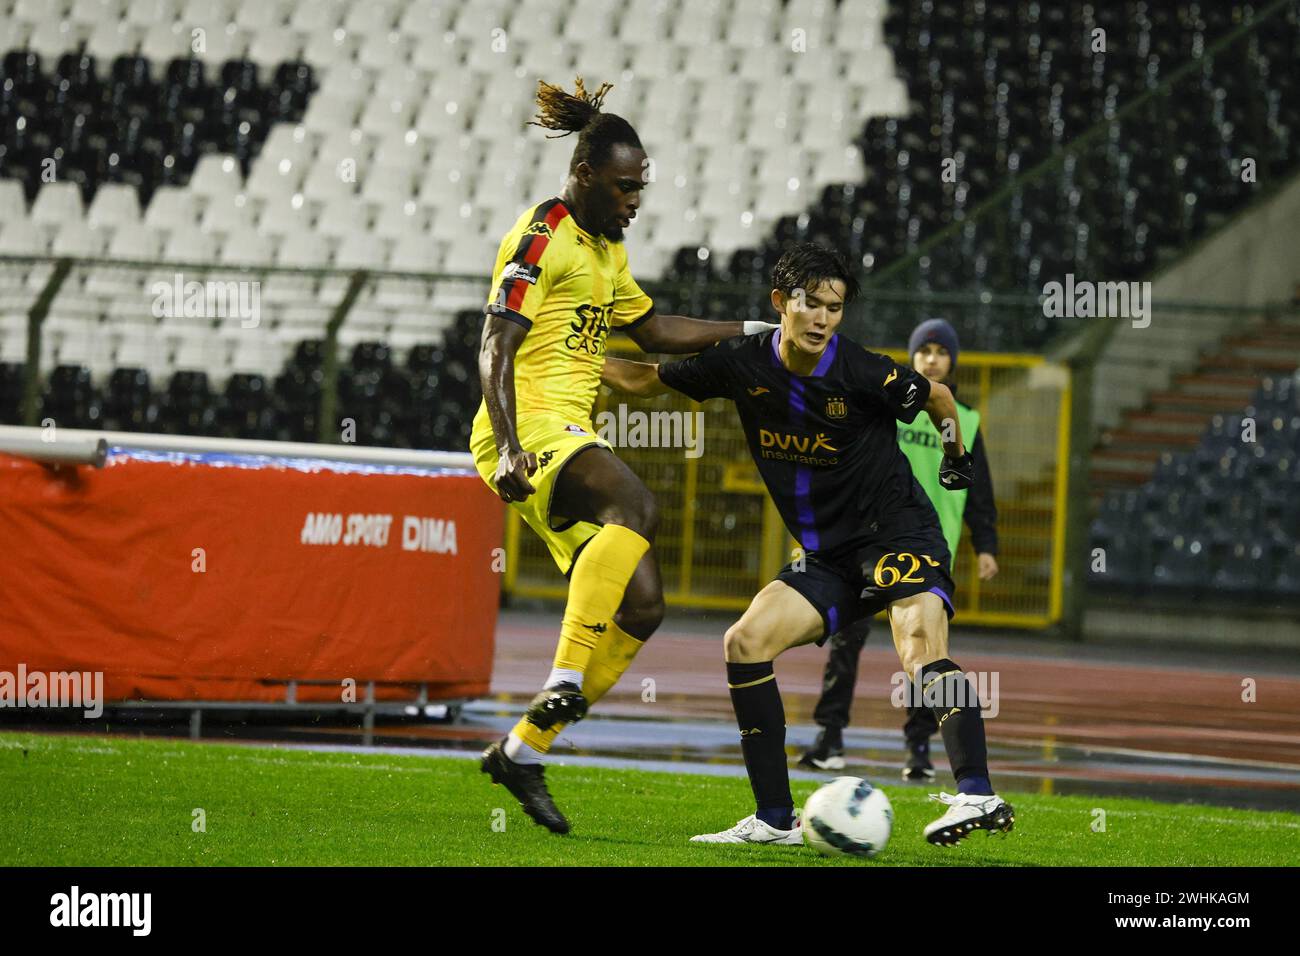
(957, 474)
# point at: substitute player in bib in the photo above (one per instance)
(819, 415)
(933, 348)
(560, 285)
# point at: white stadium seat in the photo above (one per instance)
(258, 14)
(173, 207)
(247, 247)
(414, 155)
(414, 254)
(149, 12)
(135, 241)
(318, 14)
(396, 221)
(111, 38)
(13, 204)
(57, 203)
(361, 250)
(78, 239)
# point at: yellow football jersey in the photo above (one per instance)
(568, 288)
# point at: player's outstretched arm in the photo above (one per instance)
(681, 334)
(635, 378)
(957, 471)
(496, 370)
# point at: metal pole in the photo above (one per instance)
(35, 319)
(327, 429)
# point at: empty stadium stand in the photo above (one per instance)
(210, 137)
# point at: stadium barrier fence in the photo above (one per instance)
(208, 569)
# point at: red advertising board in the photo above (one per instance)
(222, 577)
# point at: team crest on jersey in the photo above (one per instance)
(539, 229)
(836, 407)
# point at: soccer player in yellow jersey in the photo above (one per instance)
(561, 284)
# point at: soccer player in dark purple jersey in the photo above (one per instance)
(819, 414)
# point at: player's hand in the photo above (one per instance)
(514, 468)
(988, 565)
(957, 474)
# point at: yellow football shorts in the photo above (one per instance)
(554, 441)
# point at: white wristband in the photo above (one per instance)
(753, 328)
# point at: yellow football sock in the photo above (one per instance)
(596, 587)
(609, 660)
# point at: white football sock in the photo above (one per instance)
(560, 675)
(519, 752)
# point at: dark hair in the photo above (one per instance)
(806, 264)
(579, 112)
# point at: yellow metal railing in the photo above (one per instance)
(721, 539)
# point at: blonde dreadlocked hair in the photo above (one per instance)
(579, 112)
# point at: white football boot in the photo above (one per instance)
(968, 812)
(753, 830)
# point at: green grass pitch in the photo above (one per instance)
(96, 801)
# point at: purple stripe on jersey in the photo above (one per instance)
(807, 529)
(823, 364)
(808, 536)
(828, 356)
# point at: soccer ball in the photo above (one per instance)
(848, 816)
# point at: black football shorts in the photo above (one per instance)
(863, 580)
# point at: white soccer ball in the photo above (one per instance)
(848, 816)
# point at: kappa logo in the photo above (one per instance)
(545, 458)
(893, 374)
(836, 407)
(539, 229)
(757, 391)
(597, 628)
